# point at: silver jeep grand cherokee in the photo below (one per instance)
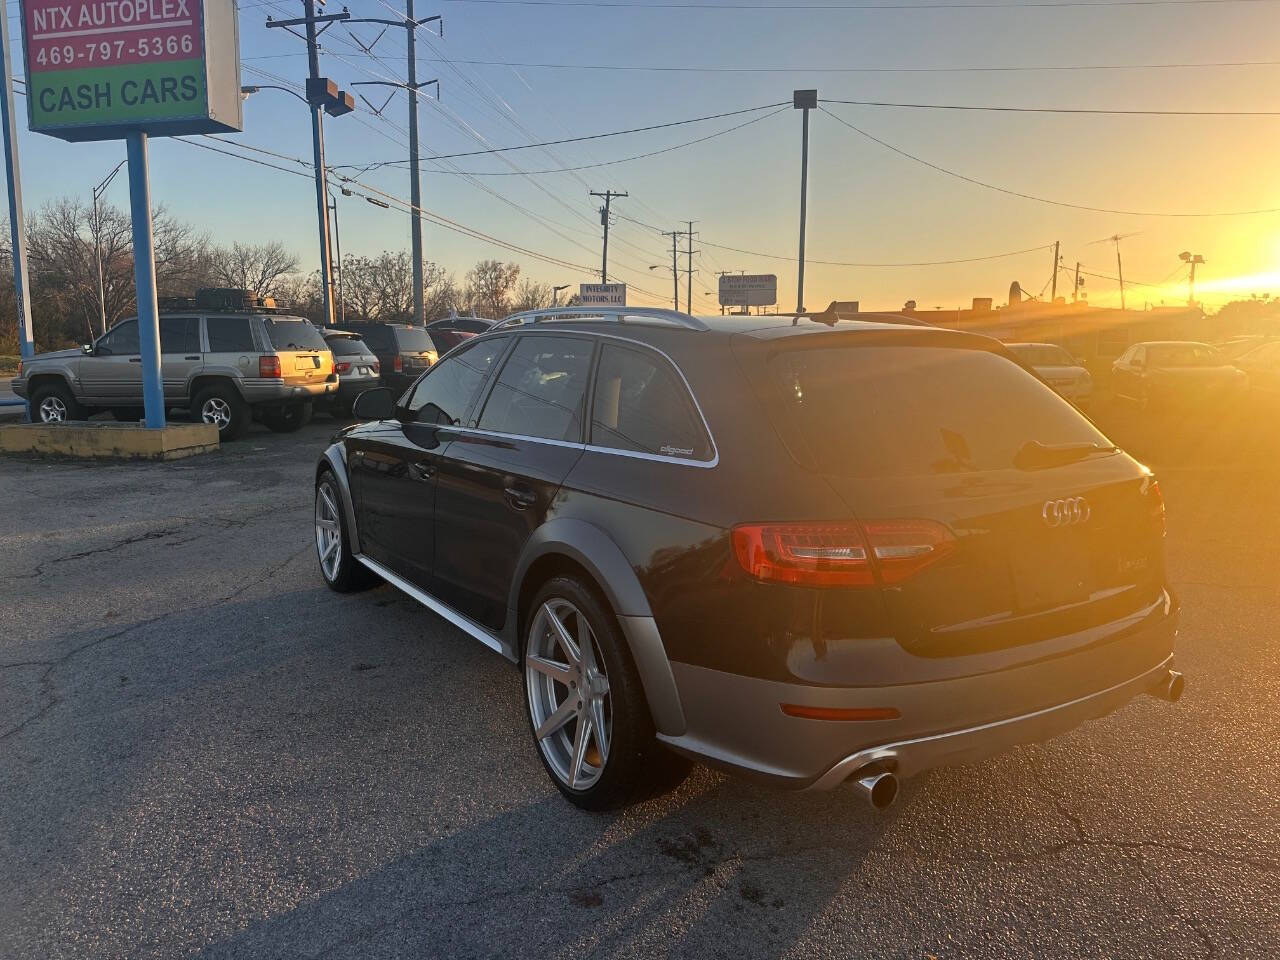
(227, 366)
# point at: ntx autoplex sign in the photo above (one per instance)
(97, 69)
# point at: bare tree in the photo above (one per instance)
(381, 288)
(489, 287)
(258, 267)
(443, 296)
(531, 295)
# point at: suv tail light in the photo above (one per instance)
(269, 366)
(840, 554)
(376, 367)
(1156, 500)
(398, 363)
(342, 366)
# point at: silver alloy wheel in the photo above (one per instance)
(217, 411)
(53, 410)
(328, 531)
(568, 691)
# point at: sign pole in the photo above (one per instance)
(144, 278)
(13, 172)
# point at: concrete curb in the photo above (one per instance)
(109, 440)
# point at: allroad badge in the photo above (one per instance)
(1065, 513)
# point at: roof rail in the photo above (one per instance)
(616, 314)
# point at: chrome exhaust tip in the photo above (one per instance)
(1169, 687)
(878, 789)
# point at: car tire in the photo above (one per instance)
(54, 403)
(222, 405)
(290, 417)
(631, 764)
(341, 571)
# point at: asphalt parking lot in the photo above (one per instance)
(205, 752)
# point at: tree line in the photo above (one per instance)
(65, 235)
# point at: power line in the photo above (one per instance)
(812, 68)
(1027, 196)
(585, 166)
(598, 136)
(1079, 110)
(963, 5)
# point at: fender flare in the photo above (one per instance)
(335, 457)
(591, 548)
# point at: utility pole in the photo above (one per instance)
(688, 290)
(1075, 292)
(323, 97)
(1120, 272)
(1186, 256)
(609, 196)
(98, 191)
(675, 269)
(17, 220)
(412, 86)
(804, 100)
(1053, 294)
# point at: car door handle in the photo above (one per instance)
(520, 498)
(422, 471)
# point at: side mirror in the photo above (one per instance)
(86, 349)
(376, 404)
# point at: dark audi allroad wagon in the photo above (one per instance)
(814, 553)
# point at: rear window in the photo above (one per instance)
(413, 340)
(1042, 355)
(881, 411)
(289, 333)
(229, 335)
(347, 346)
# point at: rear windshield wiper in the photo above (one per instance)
(1034, 454)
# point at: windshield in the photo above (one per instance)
(881, 411)
(1042, 355)
(1182, 355)
(413, 340)
(293, 333)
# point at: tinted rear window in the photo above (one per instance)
(347, 346)
(1043, 355)
(229, 335)
(413, 340)
(880, 411)
(293, 334)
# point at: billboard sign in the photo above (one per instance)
(602, 294)
(98, 69)
(748, 290)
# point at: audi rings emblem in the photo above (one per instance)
(1065, 513)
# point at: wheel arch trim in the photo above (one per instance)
(591, 548)
(336, 460)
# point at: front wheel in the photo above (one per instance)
(54, 403)
(587, 709)
(341, 571)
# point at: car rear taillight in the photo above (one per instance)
(432, 357)
(269, 366)
(840, 554)
(342, 366)
(1155, 500)
(376, 367)
(398, 363)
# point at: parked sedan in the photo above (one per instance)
(1066, 374)
(1262, 366)
(1176, 371)
(357, 367)
(675, 529)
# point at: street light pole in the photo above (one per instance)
(804, 100)
(555, 294)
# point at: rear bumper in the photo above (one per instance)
(269, 391)
(736, 722)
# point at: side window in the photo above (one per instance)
(121, 340)
(447, 390)
(179, 335)
(640, 404)
(540, 390)
(1139, 355)
(229, 335)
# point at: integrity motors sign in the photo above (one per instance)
(99, 68)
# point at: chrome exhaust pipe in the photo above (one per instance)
(878, 789)
(1169, 687)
